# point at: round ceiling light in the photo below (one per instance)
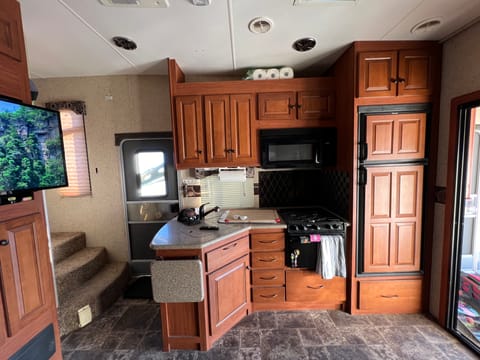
(124, 43)
(260, 25)
(426, 25)
(304, 44)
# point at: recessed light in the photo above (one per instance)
(304, 44)
(426, 25)
(260, 25)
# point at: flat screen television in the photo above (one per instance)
(31, 149)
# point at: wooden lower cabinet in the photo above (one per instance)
(228, 295)
(197, 325)
(390, 296)
(27, 298)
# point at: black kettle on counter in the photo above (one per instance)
(188, 216)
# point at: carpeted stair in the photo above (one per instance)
(83, 277)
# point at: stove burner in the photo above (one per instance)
(312, 221)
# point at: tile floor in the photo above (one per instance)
(131, 330)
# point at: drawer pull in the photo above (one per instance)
(4, 242)
(269, 296)
(389, 296)
(267, 260)
(230, 247)
(268, 277)
(315, 287)
(267, 241)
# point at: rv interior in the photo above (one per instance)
(247, 179)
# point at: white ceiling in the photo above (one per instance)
(73, 37)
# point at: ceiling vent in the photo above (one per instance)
(426, 25)
(260, 25)
(136, 3)
(124, 43)
(321, 2)
(201, 2)
(304, 44)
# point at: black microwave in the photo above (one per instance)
(298, 148)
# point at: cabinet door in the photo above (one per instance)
(377, 73)
(393, 219)
(277, 106)
(217, 128)
(228, 295)
(395, 136)
(13, 63)
(24, 271)
(316, 105)
(189, 131)
(415, 72)
(243, 134)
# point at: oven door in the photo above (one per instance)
(307, 252)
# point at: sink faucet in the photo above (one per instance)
(203, 213)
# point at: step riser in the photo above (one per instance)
(67, 282)
(99, 299)
(65, 244)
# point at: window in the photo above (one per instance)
(76, 157)
(151, 171)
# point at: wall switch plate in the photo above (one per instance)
(84, 315)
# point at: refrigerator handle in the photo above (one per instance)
(362, 151)
(362, 176)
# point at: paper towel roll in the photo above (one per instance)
(259, 74)
(286, 72)
(273, 74)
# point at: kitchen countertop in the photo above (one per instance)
(175, 235)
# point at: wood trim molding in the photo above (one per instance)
(449, 199)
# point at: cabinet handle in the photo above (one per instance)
(268, 278)
(199, 151)
(395, 81)
(230, 247)
(315, 287)
(401, 80)
(267, 241)
(389, 296)
(299, 106)
(291, 106)
(4, 242)
(269, 296)
(267, 260)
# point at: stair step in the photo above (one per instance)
(73, 271)
(99, 292)
(65, 244)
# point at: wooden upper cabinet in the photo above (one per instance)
(189, 135)
(393, 218)
(24, 271)
(13, 64)
(230, 136)
(301, 105)
(395, 136)
(396, 73)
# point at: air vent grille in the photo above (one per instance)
(136, 3)
(260, 25)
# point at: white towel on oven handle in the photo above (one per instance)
(331, 257)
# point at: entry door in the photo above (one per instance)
(150, 188)
(464, 303)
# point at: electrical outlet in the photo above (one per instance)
(84, 315)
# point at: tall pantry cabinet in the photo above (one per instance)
(387, 113)
(28, 317)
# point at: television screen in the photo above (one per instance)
(31, 148)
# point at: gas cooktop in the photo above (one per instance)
(316, 220)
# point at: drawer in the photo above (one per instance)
(268, 294)
(268, 277)
(268, 241)
(306, 286)
(226, 253)
(393, 296)
(271, 259)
